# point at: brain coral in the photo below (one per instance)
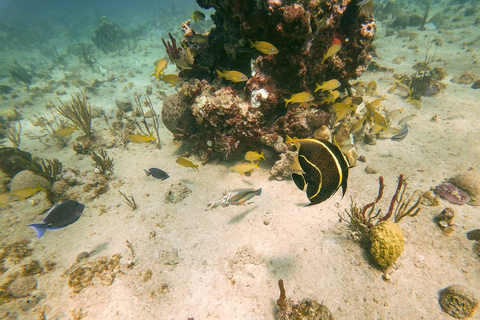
(387, 243)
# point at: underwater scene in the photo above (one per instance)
(239, 159)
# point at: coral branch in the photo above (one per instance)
(379, 196)
(282, 300)
(171, 48)
(401, 181)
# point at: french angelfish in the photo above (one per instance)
(60, 216)
(325, 169)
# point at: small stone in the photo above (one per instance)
(362, 158)
(176, 193)
(266, 222)
(27, 179)
(369, 139)
(458, 301)
(451, 193)
(370, 170)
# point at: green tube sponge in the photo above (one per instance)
(387, 243)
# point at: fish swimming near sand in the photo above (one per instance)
(140, 138)
(160, 66)
(254, 156)
(244, 196)
(60, 216)
(244, 168)
(401, 134)
(325, 169)
(65, 132)
(156, 173)
(187, 163)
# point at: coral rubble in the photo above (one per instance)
(232, 117)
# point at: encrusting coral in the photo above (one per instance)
(229, 118)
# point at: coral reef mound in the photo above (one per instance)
(231, 117)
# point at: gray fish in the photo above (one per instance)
(244, 196)
(60, 216)
(157, 173)
(401, 134)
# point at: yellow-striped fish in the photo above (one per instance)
(232, 75)
(333, 50)
(332, 96)
(263, 47)
(65, 132)
(140, 138)
(159, 67)
(187, 163)
(253, 156)
(328, 85)
(300, 97)
(244, 168)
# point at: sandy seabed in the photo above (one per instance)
(224, 263)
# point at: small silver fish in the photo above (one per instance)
(401, 134)
(406, 119)
(244, 196)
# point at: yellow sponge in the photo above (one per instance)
(387, 243)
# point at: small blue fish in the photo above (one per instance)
(60, 216)
(157, 173)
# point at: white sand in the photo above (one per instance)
(225, 263)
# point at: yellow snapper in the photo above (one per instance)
(243, 168)
(357, 125)
(159, 67)
(263, 47)
(328, 85)
(198, 38)
(197, 16)
(300, 97)
(331, 51)
(25, 193)
(182, 64)
(232, 75)
(140, 138)
(371, 88)
(187, 163)
(253, 156)
(171, 78)
(341, 109)
(65, 132)
(332, 96)
(188, 55)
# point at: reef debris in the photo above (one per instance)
(307, 309)
(220, 117)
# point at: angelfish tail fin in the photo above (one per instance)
(40, 228)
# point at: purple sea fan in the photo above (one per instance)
(451, 193)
